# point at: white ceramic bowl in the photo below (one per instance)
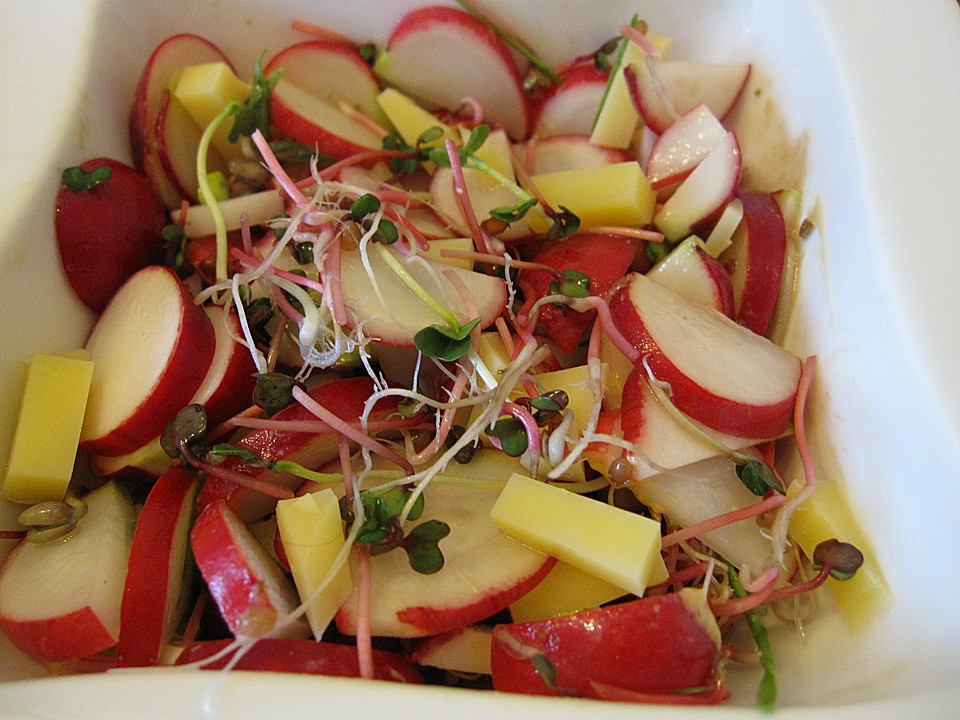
(875, 87)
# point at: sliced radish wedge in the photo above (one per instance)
(569, 152)
(151, 349)
(570, 107)
(663, 90)
(159, 572)
(61, 600)
(722, 374)
(682, 146)
(441, 56)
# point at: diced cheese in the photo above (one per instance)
(565, 590)
(410, 120)
(312, 534)
(48, 428)
(617, 119)
(826, 515)
(204, 91)
(613, 544)
(613, 194)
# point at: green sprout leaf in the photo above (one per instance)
(565, 224)
(399, 164)
(186, 430)
(767, 689)
(572, 283)
(513, 213)
(254, 114)
(364, 205)
(511, 434)
(175, 249)
(274, 391)
(79, 180)
(445, 343)
(478, 136)
(842, 558)
(758, 478)
(422, 546)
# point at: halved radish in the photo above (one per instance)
(61, 600)
(152, 99)
(682, 146)
(292, 655)
(391, 312)
(663, 90)
(151, 349)
(440, 56)
(159, 572)
(702, 196)
(344, 397)
(689, 271)
(571, 107)
(568, 152)
(333, 71)
(755, 260)
(722, 374)
(250, 588)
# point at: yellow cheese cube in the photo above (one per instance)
(575, 382)
(617, 119)
(494, 152)
(312, 534)
(614, 194)
(826, 515)
(410, 120)
(613, 544)
(48, 428)
(205, 90)
(565, 590)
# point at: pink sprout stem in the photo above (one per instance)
(638, 38)
(273, 165)
(463, 197)
(251, 261)
(597, 303)
(529, 425)
(344, 428)
(770, 503)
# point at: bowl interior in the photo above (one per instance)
(871, 400)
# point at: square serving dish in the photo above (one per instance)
(870, 88)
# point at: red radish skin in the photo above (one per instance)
(571, 106)
(682, 146)
(721, 374)
(659, 644)
(333, 71)
(61, 601)
(303, 656)
(343, 397)
(662, 90)
(151, 349)
(319, 125)
(603, 258)
(151, 96)
(109, 232)
(439, 55)
(249, 587)
(159, 569)
(755, 260)
(228, 387)
(569, 152)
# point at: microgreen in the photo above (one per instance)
(175, 249)
(767, 689)
(52, 519)
(478, 136)
(758, 478)
(572, 284)
(842, 559)
(79, 180)
(381, 532)
(360, 211)
(406, 165)
(565, 223)
(601, 58)
(657, 251)
(274, 391)
(254, 114)
(513, 213)
(465, 454)
(512, 436)
(303, 252)
(293, 151)
(445, 343)
(184, 434)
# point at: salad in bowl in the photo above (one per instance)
(425, 350)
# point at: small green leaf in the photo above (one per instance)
(303, 252)
(573, 284)
(546, 403)
(565, 224)
(79, 180)
(431, 134)
(387, 232)
(512, 213)
(274, 391)
(445, 343)
(842, 558)
(187, 428)
(478, 136)
(432, 531)
(293, 151)
(426, 559)
(439, 157)
(511, 434)
(657, 251)
(364, 205)
(758, 478)
(254, 114)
